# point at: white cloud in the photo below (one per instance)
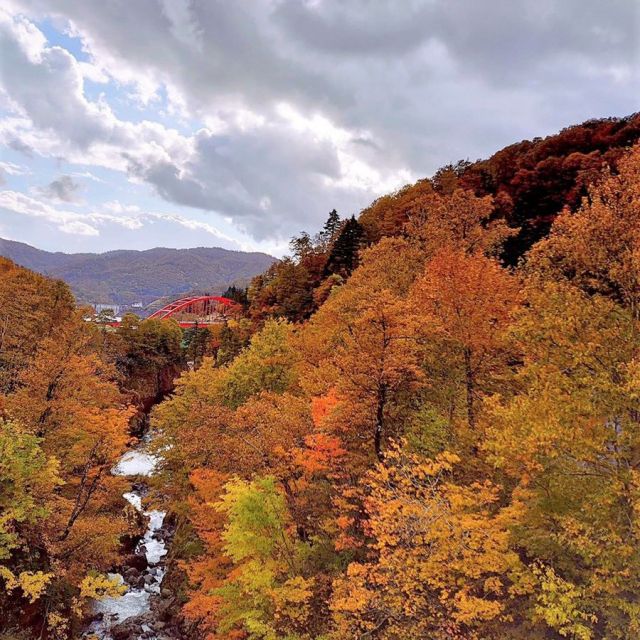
(78, 228)
(67, 221)
(306, 106)
(189, 223)
(93, 72)
(130, 217)
(117, 207)
(12, 169)
(86, 174)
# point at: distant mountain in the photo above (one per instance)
(126, 277)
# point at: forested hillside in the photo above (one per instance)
(418, 430)
(127, 277)
(447, 448)
(70, 396)
(523, 187)
(530, 181)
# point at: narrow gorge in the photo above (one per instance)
(136, 614)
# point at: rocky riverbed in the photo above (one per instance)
(142, 612)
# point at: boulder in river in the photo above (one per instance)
(127, 630)
(136, 561)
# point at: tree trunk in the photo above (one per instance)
(382, 401)
(470, 384)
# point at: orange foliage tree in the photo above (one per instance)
(463, 304)
(598, 246)
(64, 402)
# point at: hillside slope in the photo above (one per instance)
(125, 277)
(527, 184)
(531, 181)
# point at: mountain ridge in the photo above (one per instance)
(127, 276)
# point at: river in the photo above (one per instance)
(142, 585)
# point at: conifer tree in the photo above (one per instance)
(330, 229)
(343, 257)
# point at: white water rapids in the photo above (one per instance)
(136, 600)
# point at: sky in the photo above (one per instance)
(139, 123)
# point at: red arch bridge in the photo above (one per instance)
(197, 310)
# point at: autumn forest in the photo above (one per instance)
(424, 423)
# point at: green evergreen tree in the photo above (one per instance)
(343, 258)
(237, 294)
(330, 230)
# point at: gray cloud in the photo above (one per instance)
(288, 185)
(18, 145)
(63, 189)
(355, 29)
(411, 85)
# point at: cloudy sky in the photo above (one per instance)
(141, 123)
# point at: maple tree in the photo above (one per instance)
(459, 219)
(42, 306)
(266, 594)
(570, 442)
(28, 478)
(374, 366)
(598, 246)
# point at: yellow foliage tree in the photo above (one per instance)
(569, 442)
(440, 561)
(459, 219)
